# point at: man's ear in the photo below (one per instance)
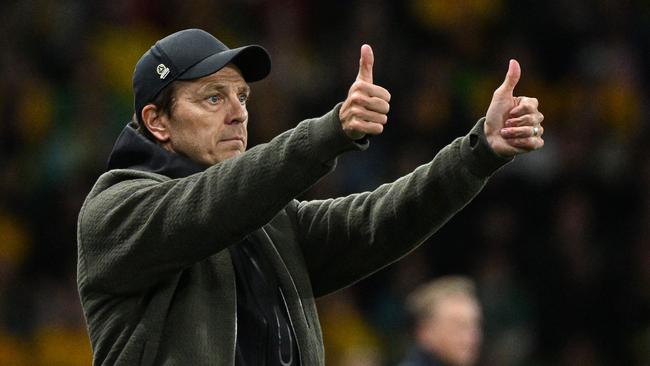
(157, 123)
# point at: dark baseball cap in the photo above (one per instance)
(192, 54)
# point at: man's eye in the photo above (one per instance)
(214, 99)
(243, 98)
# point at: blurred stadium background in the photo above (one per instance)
(558, 242)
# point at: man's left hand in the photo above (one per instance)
(513, 124)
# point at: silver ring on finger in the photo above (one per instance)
(535, 131)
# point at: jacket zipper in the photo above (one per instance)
(293, 284)
(293, 329)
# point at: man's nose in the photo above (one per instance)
(237, 111)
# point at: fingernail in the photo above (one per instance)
(508, 123)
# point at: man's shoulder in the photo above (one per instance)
(115, 176)
(121, 180)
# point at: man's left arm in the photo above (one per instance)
(348, 238)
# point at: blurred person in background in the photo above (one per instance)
(447, 323)
(193, 249)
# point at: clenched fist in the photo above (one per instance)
(364, 110)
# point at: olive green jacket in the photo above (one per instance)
(155, 277)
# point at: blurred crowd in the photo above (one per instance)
(558, 243)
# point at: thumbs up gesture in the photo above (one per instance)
(513, 124)
(364, 110)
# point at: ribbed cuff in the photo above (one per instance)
(328, 139)
(477, 154)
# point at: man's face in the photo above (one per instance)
(454, 331)
(208, 123)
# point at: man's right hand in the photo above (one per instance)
(364, 110)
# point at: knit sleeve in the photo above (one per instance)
(136, 227)
(348, 238)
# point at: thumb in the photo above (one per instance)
(512, 77)
(365, 64)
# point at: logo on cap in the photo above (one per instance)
(162, 70)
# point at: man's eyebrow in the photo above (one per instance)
(221, 87)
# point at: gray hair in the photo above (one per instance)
(423, 300)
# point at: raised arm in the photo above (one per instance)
(136, 227)
(348, 238)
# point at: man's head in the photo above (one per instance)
(447, 318)
(191, 91)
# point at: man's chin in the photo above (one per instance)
(227, 155)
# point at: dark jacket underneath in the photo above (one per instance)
(264, 332)
(156, 278)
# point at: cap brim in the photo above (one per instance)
(253, 61)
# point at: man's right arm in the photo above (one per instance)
(135, 229)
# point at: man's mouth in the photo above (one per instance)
(235, 138)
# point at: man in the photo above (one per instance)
(447, 323)
(193, 250)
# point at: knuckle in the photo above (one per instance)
(356, 110)
(353, 124)
(356, 97)
(387, 95)
(525, 103)
(364, 85)
(521, 102)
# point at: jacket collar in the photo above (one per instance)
(132, 150)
